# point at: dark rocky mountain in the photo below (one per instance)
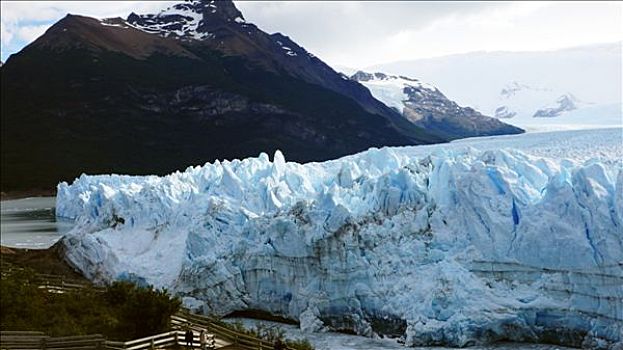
(427, 107)
(157, 93)
(564, 103)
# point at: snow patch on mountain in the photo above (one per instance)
(205, 20)
(187, 20)
(448, 244)
(522, 101)
(179, 20)
(517, 85)
(522, 104)
(390, 89)
(425, 106)
(564, 103)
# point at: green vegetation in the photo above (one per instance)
(121, 311)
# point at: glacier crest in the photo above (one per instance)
(457, 247)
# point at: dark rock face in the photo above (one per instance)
(114, 96)
(363, 76)
(432, 110)
(504, 112)
(565, 103)
(191, 19)
(220, 26)
(425, 106)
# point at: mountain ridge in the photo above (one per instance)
(425, 106)
(120, 100)
(590, 73)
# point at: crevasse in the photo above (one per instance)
(453, 247)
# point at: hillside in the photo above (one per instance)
(115, 95)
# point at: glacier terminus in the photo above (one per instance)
(501, 238)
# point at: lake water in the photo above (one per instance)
(31, 223)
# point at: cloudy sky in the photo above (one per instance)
(359, 34)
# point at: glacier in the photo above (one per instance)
(501, 238)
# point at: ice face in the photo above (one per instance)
(454, 244)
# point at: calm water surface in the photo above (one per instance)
(31, 223)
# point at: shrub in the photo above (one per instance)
(142, 311)
(122, 311)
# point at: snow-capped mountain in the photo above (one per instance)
(456, 244)
(206, 20)
(564, 103)
(522, 101)
(192, 83)
(186, 20)
(220, 25)
(425, 106)
(570, 88)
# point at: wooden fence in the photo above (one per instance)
(239, 339)
(38, 340)
(225, 336)
(51, 283)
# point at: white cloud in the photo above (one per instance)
(6, 35)
(359, 34)
(370, 34)
(30, 33)
(23, 21)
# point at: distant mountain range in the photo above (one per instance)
(427, 107)
(570, 88)
(522, 100)
(155, 93)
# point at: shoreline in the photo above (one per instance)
(23, 194)
(47, 261)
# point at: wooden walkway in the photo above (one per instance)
(237, 340)
(38, 340)
(225, 337)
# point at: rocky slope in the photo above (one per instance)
(151, 94)
(522, 101)
(425, 106)
(516, 85)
